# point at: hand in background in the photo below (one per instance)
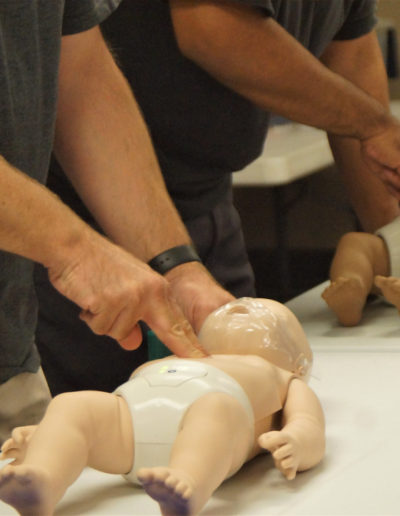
(381, 153)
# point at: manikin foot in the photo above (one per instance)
(171, 488)
(390, 288)
(27, 489)
(346, 297)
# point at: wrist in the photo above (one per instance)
(376, 125)
(69, 245)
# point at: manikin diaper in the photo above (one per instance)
(158, 397)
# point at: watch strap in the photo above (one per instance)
(167, 260)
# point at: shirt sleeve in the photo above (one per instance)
(81, 15)
(264, 5)
(360, 20)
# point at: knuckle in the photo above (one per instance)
(111, 295)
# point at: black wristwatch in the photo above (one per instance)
(167, 260)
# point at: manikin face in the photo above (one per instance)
(256, 326)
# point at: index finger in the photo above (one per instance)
(174, 330)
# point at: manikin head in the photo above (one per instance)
(257, 326)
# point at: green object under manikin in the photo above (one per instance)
(156, 349)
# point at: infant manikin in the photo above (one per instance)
(181, 426)
(246, 326)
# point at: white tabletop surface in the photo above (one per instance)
(356, 375)
(291, 151)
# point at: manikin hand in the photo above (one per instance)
(284, 450)
(382, 156)
(115, 290)
(197, 292)
(15, 447)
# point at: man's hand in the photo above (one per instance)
(381, 153)
(115, 290)
(197, 292)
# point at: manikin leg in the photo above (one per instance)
(390, 288)
(358, 259)
(74, 433)
(214, 441)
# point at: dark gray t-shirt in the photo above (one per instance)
(30, 38)
(203, 131)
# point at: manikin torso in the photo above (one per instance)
(265, 385)
(260, 344)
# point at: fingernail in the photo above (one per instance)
(182, 328)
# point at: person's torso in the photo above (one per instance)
(30, 43)
(193, 117)
(30, 37)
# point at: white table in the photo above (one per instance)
(356, 376)
(291, 151)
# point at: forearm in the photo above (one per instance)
(107, 153)
(254, 56)
(360, 61)
(34, 222)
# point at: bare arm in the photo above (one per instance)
(104, 147)
(34, 223)
(256, 57)
(300, 444)
(360, 61)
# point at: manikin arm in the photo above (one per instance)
(300, 444)
(104, 147)
(256, 57)
(360, 61)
